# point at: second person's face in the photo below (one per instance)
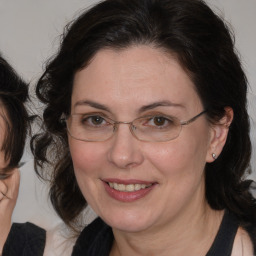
(164, 180)
(3, 130)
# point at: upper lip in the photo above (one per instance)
(127, 181)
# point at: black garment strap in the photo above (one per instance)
(223, 243)
(95, 240)
(25, 240)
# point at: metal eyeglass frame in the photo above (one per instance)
(132, 127)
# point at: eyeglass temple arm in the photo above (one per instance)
(193, 118)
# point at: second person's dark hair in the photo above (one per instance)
(13, 95)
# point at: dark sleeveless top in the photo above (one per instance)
(225, 237)
(25, 239)
(97, 238)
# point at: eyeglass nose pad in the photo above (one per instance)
(114, 127)
(178, 131)
(133, 127)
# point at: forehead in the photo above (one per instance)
(136, 75)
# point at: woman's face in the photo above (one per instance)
(125, 85)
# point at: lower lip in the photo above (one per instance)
(127, 196)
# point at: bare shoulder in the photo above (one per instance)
(242, 245)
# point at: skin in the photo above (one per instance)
(242, 244)
(9, 188)
(2, 134)
(174, 215)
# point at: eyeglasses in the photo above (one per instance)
(97, 127)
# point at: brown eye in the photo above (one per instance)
(159, 120)
(97, 120)
(93, 121)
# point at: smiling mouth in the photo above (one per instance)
(128, 187)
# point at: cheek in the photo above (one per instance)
(86, 157)
(2, 160)
(180, 170)
(184, 157)
(88, 165)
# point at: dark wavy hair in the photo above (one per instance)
(204, 46)
(13, 96)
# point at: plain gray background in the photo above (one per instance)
(29, 34)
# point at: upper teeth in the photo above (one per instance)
(129, 187)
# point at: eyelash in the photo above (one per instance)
(88, 118)
(164, 119)
(148, 118)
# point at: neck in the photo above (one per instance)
(178, 237)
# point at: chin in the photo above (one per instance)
(128, 222)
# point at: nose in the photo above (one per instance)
(125, 152)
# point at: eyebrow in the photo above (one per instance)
(165, 103)
(142, 109)
(91, 104)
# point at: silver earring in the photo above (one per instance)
(214, 156)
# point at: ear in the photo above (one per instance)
(219, 134)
